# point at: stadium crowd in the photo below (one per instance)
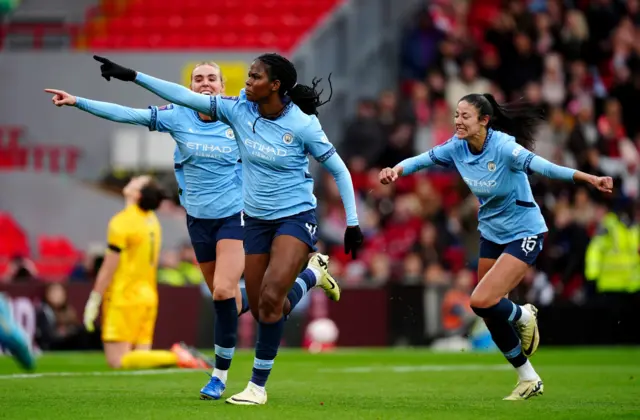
(580, 61)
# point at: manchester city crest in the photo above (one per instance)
(287, 138)
(491, 166)
(229, 133)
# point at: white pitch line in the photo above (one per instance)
(417, 368)
(103, 373)
(355, 369)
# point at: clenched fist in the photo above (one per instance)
(388, 175)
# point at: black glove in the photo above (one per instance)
(110, 69)
(352, 240)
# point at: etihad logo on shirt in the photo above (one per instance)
(210, 151)
(201, 147)
(480, 186)
(517, 151)
(264, 151)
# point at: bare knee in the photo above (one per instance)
(223, 289)
(271, 304)
(256, 314)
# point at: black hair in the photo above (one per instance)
(306, 97)
(519, 119)
(151, 195)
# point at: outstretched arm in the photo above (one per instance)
(542, 166)
(522, 159)
(106, 110)
(114, 112)
(213, 106)
(177, 94)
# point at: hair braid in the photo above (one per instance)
(305, 97)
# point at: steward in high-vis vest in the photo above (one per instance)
(612, 261)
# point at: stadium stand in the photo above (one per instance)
(195, 24)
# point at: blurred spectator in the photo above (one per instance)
(413, 269)
(420, 47)
(57, 324)
(574, 36)
(188, 265)
(20, 269)
(553, 84)
(523, 65)
(565, 248)
(468, 81)
(169, 272)
(364, 137)
(540, 290)
(585, 135)
(457, 316)
(380, 270)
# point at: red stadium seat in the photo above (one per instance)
(13, 240)
(197, 24)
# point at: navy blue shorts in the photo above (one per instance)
(259, 234)
(525, 249)
(205, 234)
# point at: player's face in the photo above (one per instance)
(137, 183)
(206, 79)
(258, 87)
(467, 121)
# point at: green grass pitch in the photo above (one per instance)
(347, 384)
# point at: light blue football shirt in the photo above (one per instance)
(209, 155)
(276, 178)
(497, 176)
(179, 173)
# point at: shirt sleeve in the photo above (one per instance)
(222, 107)
(316, 143)
(341, 175)
(523, 160)
(117, 234)
(175, 93)
(441, 155)
(115, 112)
(162, 118)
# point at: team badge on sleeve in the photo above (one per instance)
(165, 107)
(230, 98)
